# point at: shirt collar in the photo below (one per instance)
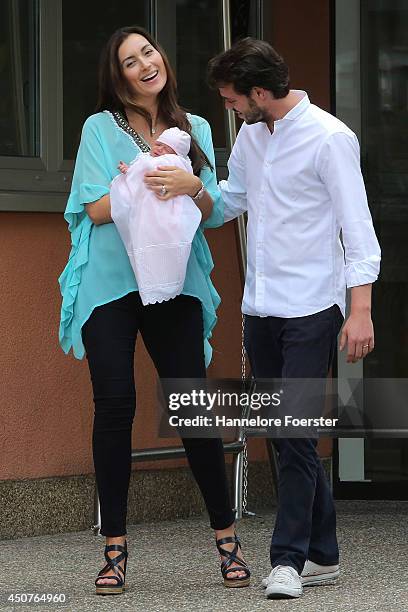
(299, 109)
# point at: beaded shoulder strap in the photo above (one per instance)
(123, 124)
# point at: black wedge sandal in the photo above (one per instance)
(113, 564)
(231, 557)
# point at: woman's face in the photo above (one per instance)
(142, 66)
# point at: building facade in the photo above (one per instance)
(352, 58)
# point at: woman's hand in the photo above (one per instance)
(175, 181)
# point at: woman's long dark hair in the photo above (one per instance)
(115, 95)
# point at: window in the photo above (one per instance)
(49, 54)
(81, 49)
(19, 78)
(191, 33)
(49, 51)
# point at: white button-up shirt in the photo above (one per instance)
(301, 185)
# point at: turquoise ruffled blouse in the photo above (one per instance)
(98, 270)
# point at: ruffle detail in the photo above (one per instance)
(80, 226)
(205, 261)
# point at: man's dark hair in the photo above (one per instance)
(250, 63)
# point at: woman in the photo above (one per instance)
(102, 311)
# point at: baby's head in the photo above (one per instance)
(172, 141)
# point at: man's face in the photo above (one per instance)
(244, 106)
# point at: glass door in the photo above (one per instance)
(372, 97)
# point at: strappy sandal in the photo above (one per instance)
(231, 557)
(113, 564)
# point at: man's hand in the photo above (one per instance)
(358, 330)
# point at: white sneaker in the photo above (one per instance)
(283, 582)
(314, 574)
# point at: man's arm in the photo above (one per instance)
(233, 190)
(341, 173)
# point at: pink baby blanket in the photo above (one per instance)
(157, 234)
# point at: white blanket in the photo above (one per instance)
(157, 234)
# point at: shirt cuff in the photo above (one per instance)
(363, 272)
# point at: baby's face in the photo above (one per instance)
(160, 148)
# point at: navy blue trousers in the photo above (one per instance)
(300, 347)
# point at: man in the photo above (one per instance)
(295, 170)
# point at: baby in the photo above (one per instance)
(157, 234)
(159, 148)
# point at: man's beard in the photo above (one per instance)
(255, 114)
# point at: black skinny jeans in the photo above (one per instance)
(172, 332)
